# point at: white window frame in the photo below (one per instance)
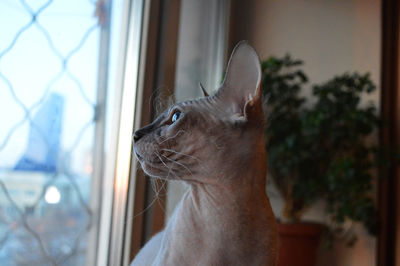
(112, 248)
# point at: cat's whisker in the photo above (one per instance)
(156, 198)
(178, 163)
(161, 160)
(157, 192)
(163, 181)
(174, 136)
(154, 185)
(169, 168)
(158, 101)
(183, 154)
(187, 155)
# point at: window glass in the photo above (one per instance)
(53, 57)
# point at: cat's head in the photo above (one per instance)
(212, 138)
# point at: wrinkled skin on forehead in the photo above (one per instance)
(215, 144)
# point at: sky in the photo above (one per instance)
(31, 66)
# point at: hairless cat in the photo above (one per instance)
(216, 145)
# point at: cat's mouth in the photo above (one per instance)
(142, 158)
(138, 156)
(150, 168)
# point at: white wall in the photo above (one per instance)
(332, 37)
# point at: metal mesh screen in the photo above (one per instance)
(48, 81)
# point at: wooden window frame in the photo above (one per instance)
(157, 78)
(389, 186)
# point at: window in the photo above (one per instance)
(58, 72)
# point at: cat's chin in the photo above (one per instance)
(150, 170)
(147, 167)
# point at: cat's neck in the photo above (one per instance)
(214, 219)
(238, 192)
(241, 190)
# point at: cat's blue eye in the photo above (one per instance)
(176, 116)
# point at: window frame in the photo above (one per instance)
(388, 245)
(111, 249)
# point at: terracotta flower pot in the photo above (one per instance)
(298, 243)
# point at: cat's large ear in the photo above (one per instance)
(241, 90)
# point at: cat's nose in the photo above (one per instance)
(142, 131)
(137, 135)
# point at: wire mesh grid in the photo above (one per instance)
(32, 233)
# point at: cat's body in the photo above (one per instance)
(216, 145)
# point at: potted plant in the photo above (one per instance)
(319, 151)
